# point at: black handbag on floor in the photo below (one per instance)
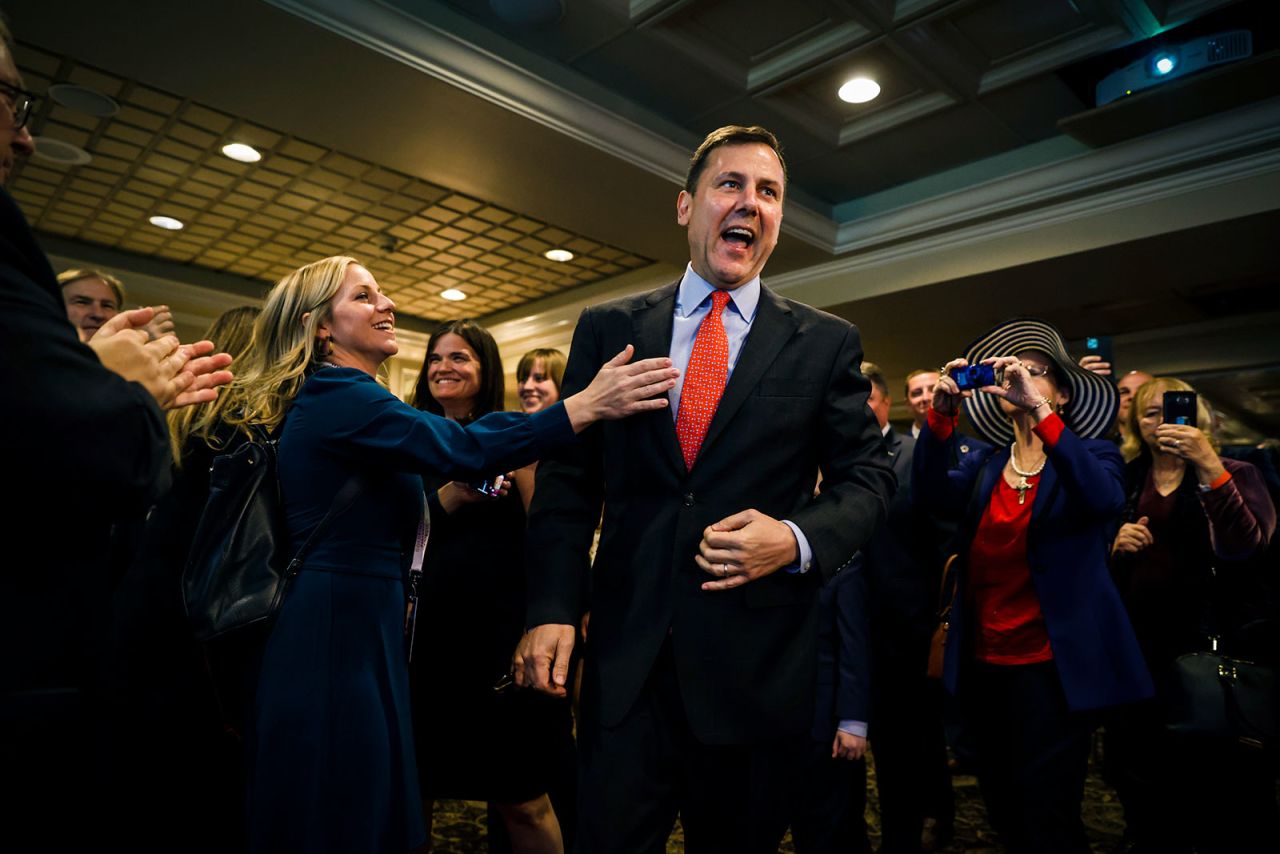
(239, 566)
(1226, 699)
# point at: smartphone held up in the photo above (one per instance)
(1180, 408)
(973, 377)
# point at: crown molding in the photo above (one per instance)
(643, 139)
(891, 117)
(837, 38)
(1040, 191)
(1065, 53)
(1163, 203)
(448, 56)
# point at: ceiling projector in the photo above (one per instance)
(1170, 63)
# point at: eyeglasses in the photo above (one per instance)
(1037, 370)
(23, 103)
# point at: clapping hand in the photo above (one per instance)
(175, 374)
(203, 373)
(161, 323)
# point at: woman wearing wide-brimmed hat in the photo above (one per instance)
(1039, 637)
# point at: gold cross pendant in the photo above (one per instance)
(1023, 487)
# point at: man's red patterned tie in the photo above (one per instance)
(704, 379)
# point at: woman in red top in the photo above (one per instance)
(1039, 638)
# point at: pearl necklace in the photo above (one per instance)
(1022, 485)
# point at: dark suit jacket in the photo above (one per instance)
(1075, 515)
(84, 448)
(844, 654)
(903, 560)
(795, 403)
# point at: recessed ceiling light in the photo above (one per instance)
(243, 153)
(166, 222)
(52, 150)
(560, 255)
(453, 294)
(859, 90)
(84, 99)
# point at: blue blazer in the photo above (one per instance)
(1075, 514)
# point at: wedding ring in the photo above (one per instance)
(724, 569)
(1177, 443)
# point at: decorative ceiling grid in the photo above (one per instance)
(160, 155)
(940, 63)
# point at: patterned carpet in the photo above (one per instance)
(459, 826)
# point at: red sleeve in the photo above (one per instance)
(941, 425)
(1050, 429)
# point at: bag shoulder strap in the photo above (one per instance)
(947, 591)
(341, 501)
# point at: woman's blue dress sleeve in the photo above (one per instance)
(355, 417)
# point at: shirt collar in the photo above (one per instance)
(694, 290)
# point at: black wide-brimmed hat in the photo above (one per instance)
(1094, 400)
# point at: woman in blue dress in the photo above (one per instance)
(331, 751)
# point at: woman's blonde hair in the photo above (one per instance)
(284, 345)
(1133, 446)
(231, 333)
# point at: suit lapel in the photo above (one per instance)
(651, 331)
(1044, 490)
(893, 441)
(991, 471)
(772, 328)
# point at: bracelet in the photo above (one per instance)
(1217, 482)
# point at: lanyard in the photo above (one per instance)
(415, 576)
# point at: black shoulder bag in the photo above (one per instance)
(1232, 700)
(239, 567)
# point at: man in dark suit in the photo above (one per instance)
(831, 801)
(902, 563)
(700, 661)
(84, 446)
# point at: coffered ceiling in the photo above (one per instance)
(979, 75)
(160, 155)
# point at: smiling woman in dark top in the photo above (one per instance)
(331, 745)
(474, 574)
